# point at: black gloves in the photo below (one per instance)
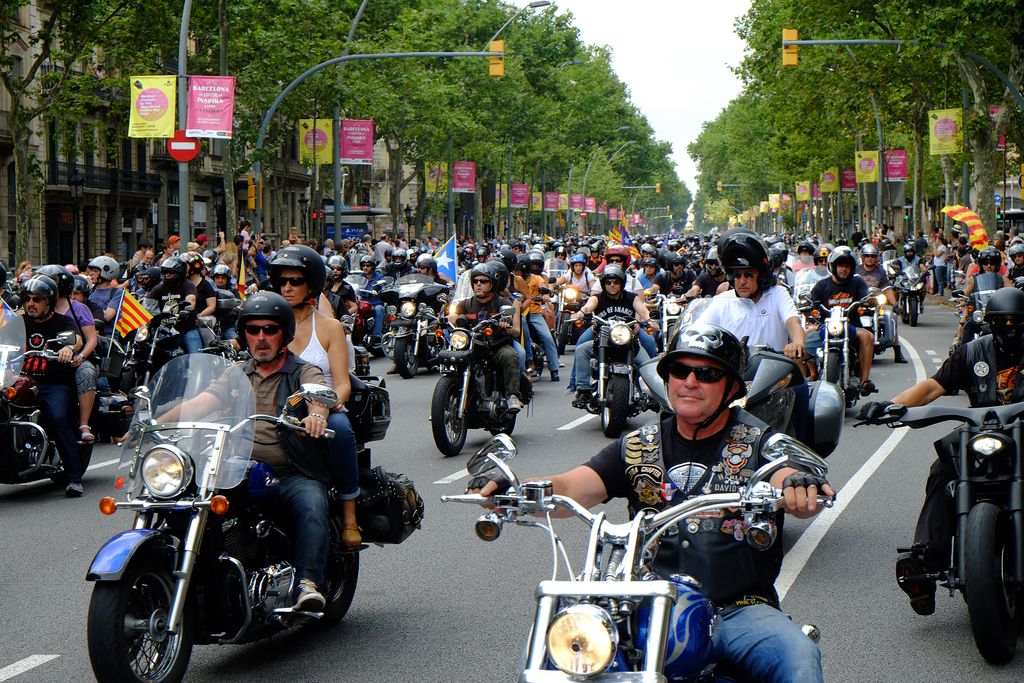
(495, 475)
(803, 479)
(881, 411)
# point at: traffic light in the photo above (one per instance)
(496, 68)
(721, 186)
(657, 188)
(251, 191)
(790, 53)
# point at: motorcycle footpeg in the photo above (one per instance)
(291, 612)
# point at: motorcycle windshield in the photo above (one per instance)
(463, 289)
(808, 278)
(192, 400)
(357, 281)
(12, 346)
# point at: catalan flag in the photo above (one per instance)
(131, 315)
(241, 276)
(615, 234)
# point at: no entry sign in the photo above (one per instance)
(182, 148)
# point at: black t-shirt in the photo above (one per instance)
(621, 306)
(669, 285)
(718, 554)
(954, 374)
(204, 290)
(162, 293)
(876, 277)
(46, 370)
(829, 293)
(708, 285)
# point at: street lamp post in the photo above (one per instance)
(303, 203)
(75, 184)
(533, 5)
(217, 195)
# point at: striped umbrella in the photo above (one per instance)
(977, 234)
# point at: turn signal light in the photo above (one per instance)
(970, 309)
(579, 323)
(438, 333)
(9, 392)
(119, 482)
(108, 505)
(218, 505)
(860, 310)
(815, 313)
(488, 331)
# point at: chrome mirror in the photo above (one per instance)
(784, 451)
(495, 453)
(67, 338)
(506, 311)
(321, 394)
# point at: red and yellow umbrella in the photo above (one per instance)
(977, 234)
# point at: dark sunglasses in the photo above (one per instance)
(704, 375)
(36, 299)
(296, 281)
(481, 282)
(616, 259)
(268, 330)
(613, 281)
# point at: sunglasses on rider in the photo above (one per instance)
(36, 299)
(268, 330)
(615, 259)
(296, 281)
(869, 256)
(704, 374)
(481, 281)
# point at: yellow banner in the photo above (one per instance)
(315, 141)
(867, 166)
(153, 104)
(773, 202)
(563, 202)
(765, 207)
(500, 200)
(803, 190)
(436, 179)
(945, 131)
(536, 201)
(830, 179)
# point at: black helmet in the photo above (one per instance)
(211, 254)
(194, 263)
(778, 253)
(1005, 315)
(173, 270)
(649, 250)
(712, 257)
(399, 256)
(613, 271)
(709, 341)
(40, 285)
(268, 305)
(427, 261)
(523, 263)
(841, 255)
(148, 277)
(221, 269)
(508, 257)
(990, 256)
(672, 259)
(805, 246)
(81, 284)
(909, 248)
(743, 249)
(365, 260)
(303, 258)
(536, 262)
(62, 276)
(488, 271)
(648, 263)
(501, 273)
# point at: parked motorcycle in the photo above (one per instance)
(987, 560)
(618, 393)
(617, 618)
(470, 394)
(417, 304)
(207, 559)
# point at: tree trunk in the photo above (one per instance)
(421, 198)
(919, 127)
(23, 191)
(395, 153)
(229, 170)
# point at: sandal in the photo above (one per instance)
(86, 435)
(351, 538)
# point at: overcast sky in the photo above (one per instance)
(688, 43)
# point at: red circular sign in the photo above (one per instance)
(182, 148)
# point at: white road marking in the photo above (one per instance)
(930, 352)
(576, 423)
(797, 557)
(105, 463)
(451, 478)
(27, 664)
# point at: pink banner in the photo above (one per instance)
(211, 106)
(815, 191)
(520, 196)
(634, 220)
(576, 203)
(895, 164)
(464, 176)
(613, 214)
(603, 207)
(551, 201)
(590, 204)
(848, 180)
(357, 142)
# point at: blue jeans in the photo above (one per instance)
(646, 342)
(56, 400)
(378, 319)
(192, 342)
(521, 354)
(342, 457)
(581, 362)
(306, 502)
(765, 644)
(539, 327)
(940, 279)
(585, 336)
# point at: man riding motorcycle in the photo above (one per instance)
(398, 266)
(871, 271)
(102, 270)
(338, 291)
(174, 287)
(708, 282)
(989, 262)
(677, 279)
(528, 283)
(988, 369)
(706, 446)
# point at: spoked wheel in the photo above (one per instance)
(448, 428)
(127, 635)
(406, 360)
(988, 575)
(613, 414)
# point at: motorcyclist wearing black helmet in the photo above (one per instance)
(427, 265)
(339, 292)
(677, 280)
(712, 277)
(988, 369)
(528, 284)
(989, 263)
(706, 446)
(175, 289)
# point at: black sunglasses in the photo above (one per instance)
(36, 299)
(481, 282)
(704, 374)
(296, 281)
(268, 330)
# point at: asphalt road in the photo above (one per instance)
(444, 606)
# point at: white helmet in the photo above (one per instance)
(107, 266)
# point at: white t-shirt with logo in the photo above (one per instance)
(763, 322)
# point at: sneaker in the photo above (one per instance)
(514, 404)
(73, 490)
(898, 355)
(554, 375)
(309, 598)
(867, 387)
(921, 591)
(570, 390)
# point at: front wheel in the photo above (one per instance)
(833, 367)
(616, 406)
(342, 576)
(989, 592)
(448, 428)
(126, 631)
(406, 360)
(912, 315)
(563, 336)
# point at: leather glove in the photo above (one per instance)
(495, 475)
(879, 411)
(804, 479)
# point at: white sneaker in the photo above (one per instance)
(309, 598)
(514, 404)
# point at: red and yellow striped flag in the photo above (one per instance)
(241, 275)
(131, 315)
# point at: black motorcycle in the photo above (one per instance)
(207, 558)
(470, 393)
(417, 304)
(987, 559)
(985, 285)
(910, 290)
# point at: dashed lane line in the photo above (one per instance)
(576, 423)
(451, 478)
(930, 352)
(27, 664)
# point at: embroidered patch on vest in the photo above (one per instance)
(981, 368)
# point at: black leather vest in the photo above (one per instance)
(983, 389)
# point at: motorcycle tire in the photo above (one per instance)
(563, 337)
(616, 408)
(506, 428)
(993, 612)
(342, 577)
(387, 345)
(835, 370)
(448, 430)
(120, 653)
(912, 315)
(406, 360)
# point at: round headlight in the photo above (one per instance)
(620, 334)
(460, 339)
(987, 445)
(408, 308)
(880, 299)
(919, 285)
(672, 308)
(582, 640)
(978, 316)
(142, 334)
(835, 328)
(166, 471)
(571, 294)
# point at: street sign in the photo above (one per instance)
(182, 148)
(998, 199)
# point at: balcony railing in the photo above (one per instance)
(106, 178)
